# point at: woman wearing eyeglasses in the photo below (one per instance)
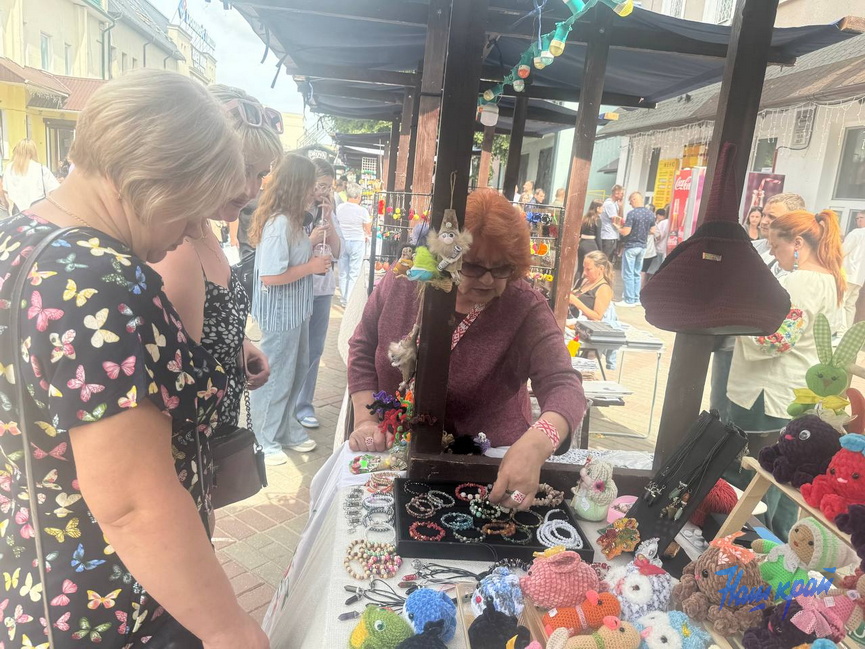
(505, 335)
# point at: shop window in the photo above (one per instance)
(850, 184)
(764, 157)
(653, 170)
(45, 51)
(67, 60)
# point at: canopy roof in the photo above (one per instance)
(652, 57)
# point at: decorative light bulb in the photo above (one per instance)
(624, 8)
(489, 114)
(519, 85)
(576, 6)
(489, 95)
(524, 71)
(539, 62)
(557, 45)
(547, 58)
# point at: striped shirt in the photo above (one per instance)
(285, 306)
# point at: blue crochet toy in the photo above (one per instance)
(823, 643)
(674, 629)
(503, 588)
(428, 605)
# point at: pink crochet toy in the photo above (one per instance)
(825, 617)
(843, 484)
(559, 577)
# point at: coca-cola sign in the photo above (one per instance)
(682, 183)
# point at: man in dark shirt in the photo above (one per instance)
(634, 233)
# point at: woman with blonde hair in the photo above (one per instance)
(211, 300)
(27, 180)
(282, 302)
(592, 297)
(589, 233)
(111, 483)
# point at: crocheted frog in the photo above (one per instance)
(559, 577)
(843, 484)
(379, 628)
(585, 618)
(595, 492)
(672, 630)
(803, 451)
(426, 605)
(615, 634)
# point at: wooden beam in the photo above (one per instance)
(515, 149)
(738, 105)
(392, 151)
(581, 162)
(486, 156)
(348, 73)
(852, 25)
(402, 157)
(464, 42)
(573, 94)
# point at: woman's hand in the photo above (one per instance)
(318, 235)
(520, 470)
(247, 633)
(367, 437)
(319, 265)
(256, 366)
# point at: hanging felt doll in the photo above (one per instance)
(424, 268)
(403, 356)
(449, 245)
(406, 261)
(595, 492)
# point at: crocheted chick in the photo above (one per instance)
(810, 546)
(595, 492)
(673, 630)
(379, 628)
(641, 586)
(559, 579)
(495, 630)
(615, 634)
(426, 605)
(776, 630)
(843, 484)
(502, 588)
(698, 594)
(803, 451)
(429, 638)
(585, 618)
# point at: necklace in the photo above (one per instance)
(67, 212)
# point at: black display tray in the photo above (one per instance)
(492, 549)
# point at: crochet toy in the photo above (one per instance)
(595, 492)
(829, 379)
(642, 585)
(403, 356)
(559, 577)
(615, 634)
(843, 484)
(853, 523)
(406, 261)
(700, 592)
(673, 630)
(825, 617)
(854, 585)
(585, 618)
(429, 638)
(810, 546)
(426, 605)
(495, 630)
(424, 268)
(449, 244)
(379, 628)
(776, 630)
(803, 451)
(502, 588)
(720, 500)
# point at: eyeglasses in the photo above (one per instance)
(476, 270)
(254, 114)
(323, 187)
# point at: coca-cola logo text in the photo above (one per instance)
(682, 184)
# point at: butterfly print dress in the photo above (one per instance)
(98, 337)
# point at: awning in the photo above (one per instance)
(41, 82)
(610, 168)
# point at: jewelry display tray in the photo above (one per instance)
(492, 549)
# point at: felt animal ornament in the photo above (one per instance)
(810, 546)
(403, 356)
(424, 268)
(559, 577)
(614, 634)
(595, 491)
(449, 245)
(829, 379)
(426, 605)
(672, 630)
(502, 588)
(843, 484)
(379, 628)
(853, 523)
(406, 261)
(803, 451)
(776, 630)
(495, 630)
(700, 591)
(825, 617)
(429, 638)
(585, 618)
(720, 500)
(641, 586)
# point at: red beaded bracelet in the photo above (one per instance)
(417, 536)
(549, 430)
(460, 492)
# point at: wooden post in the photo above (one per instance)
(465, 40)
(402, 156)
(486, 156)
(412, 144)
(518, 128)
(392, 151)
(738, 105)
(431, 95)
(581, 159)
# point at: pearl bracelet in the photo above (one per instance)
(555, 531)
(462, 493)
(377, 501)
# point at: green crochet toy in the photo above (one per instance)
(810, 547)
(379, 628)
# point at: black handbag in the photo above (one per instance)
(245, 272)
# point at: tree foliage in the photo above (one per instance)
(353, 126)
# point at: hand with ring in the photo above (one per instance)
(520, 472)
(367, 437)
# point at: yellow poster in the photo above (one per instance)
(664, 182)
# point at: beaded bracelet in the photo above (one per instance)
(420, 507)
(499, 528)
(463, 495)
(554, 531)
(418, 536)
(470, 535)
(410, 484)
(515, 538)
(552, 498)
(375, 501)
(538, 518)
(549, 430)
(381, 528)
(440, 498)
(375, 559)
(457, 521)
(484, 509)
(378, 517)
(381, 482)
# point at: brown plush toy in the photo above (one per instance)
(700, 591)
(615, 634)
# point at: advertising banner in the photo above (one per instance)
(679, 208)
(760, 188)
(663, 193)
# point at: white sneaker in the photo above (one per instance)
(309, 422)
(303, 447)
(276, 459)
(624, 305)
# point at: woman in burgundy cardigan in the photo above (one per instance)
(511, 338)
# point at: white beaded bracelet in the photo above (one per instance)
(558, 532)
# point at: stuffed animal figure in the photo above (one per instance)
(585, 618)
(559, 577)
(854, 586)
(843, 484)
(853, 523)
(700, 590)
(406, 261)
(642, 586)
(429, 638)
(803, 451)
(403, 356)
(829, 379)
(776, 630)
(720, 500)
(615, 634)
(672, 630)
(424, 268)
(495, 630)
(379, 628)
(426, 605)
(502, 588)
(825, 617)
(595, 492)
(449, 244)
(810, 546)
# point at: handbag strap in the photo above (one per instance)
(723, 200)
(15, 327)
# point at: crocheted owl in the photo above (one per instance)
(585, 618)
(672, 630)
(379, 628)
(559, 578)
(595, 492)
(615, 634)
(843, 484)
(426, 605)
(803, 451)
(641, 586)
(776, 630)
(502, 588)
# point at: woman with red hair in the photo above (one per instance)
(509, 336)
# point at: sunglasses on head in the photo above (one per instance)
(476, 270)
(255, 115)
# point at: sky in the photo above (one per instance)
(238, 54)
